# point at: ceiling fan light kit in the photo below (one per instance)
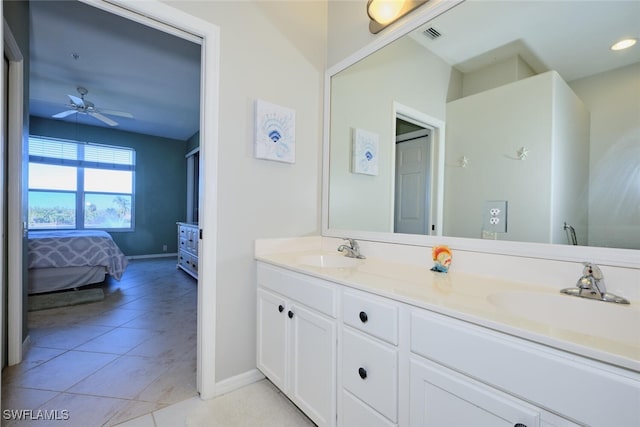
(83, 106)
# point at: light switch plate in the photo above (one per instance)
(494, 216)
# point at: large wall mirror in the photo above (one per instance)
(495, 125)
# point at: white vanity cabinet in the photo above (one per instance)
(466, 372)
(443, 397)
(369, 361)
(355, 358)
(297, 339)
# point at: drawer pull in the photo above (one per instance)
(363, 373)
(290, 314)
(280, 308)
(363, 317)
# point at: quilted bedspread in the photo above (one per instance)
(76, 248)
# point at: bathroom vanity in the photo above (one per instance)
(379, 342)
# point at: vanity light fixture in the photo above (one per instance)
(624, 44)
(385, 12)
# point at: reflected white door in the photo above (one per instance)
(413, 186)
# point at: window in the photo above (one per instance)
(80, 185)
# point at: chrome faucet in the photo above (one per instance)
(352, 250)
(591, 285)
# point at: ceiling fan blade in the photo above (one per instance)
(117, 113)
(64, 114)
(76, 101)
(105, 119)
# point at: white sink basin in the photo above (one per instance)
(608, 320)
(328, 261)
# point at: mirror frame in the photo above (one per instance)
(629, 258)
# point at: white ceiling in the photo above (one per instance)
(133, 68)
(572, 37)
(125, 66)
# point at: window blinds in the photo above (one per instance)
(89, 155)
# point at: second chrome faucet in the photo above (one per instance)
(591, 285)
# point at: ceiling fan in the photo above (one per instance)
(83, 106)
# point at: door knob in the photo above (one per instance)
(290, 314)
(280, 308)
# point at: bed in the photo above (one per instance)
(66, 259)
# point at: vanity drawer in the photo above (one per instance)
(374, 316)
(514, 364)
(370, 372)
(357, 413)
(314, 293)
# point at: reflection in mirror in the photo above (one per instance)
(514, 132)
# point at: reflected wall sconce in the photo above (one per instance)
(384, 12)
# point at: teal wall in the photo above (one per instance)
(160, 182)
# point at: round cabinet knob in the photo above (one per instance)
(290, 314)
(520, 425)
(280, 308)
(363, 373)
(363, 317)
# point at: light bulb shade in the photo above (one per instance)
(384, 11)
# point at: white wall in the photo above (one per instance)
(569, 164)
(489, 128)
(613, 99)
(273, 51)
(507, 71)
(406, 73)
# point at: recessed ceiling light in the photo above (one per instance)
(623, 44)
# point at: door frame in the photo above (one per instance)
(168, 19)
(437, 128)
(15, 123)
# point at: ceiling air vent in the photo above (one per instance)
(431, 33)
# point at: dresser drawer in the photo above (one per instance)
(357, 413)
(184, 259)
(372, 315)
(370, 372)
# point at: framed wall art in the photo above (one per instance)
(275, 131)
(365, 152)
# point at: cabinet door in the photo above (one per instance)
(272, 337)
(441, 397)
(312, 384)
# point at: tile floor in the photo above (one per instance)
(258, 405)
(130, 361)
(114, 360)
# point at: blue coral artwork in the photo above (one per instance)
(275, 131)
(365, 152)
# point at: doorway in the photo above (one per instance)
(418, 172)
(413, 179)
(172, 21)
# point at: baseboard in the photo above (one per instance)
(239, 381)
(162, 255)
